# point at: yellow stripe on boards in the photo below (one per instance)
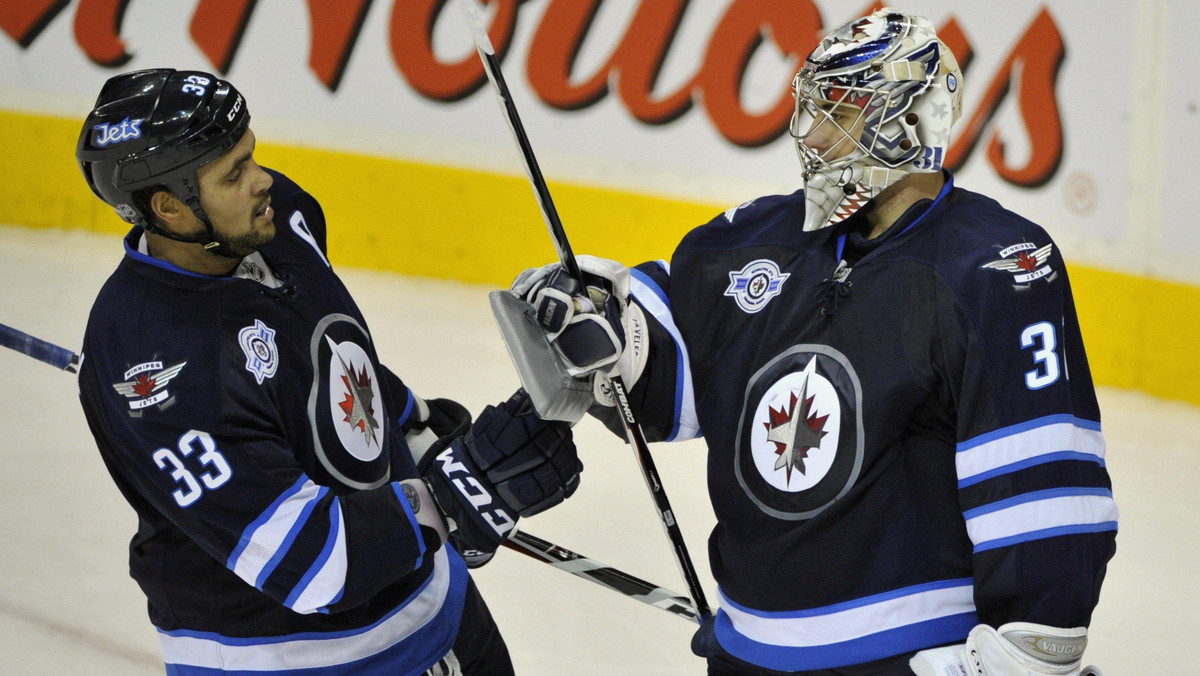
(473, 226)
(1140, 333)
(479, 227)
(42, 186)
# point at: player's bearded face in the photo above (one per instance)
(233, 192)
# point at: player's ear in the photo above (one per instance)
(169, 211)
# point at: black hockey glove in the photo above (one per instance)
(508, 465)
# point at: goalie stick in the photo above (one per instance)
(633, 430)
(529, 545)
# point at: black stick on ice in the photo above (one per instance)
(633, 431)
(530, 545)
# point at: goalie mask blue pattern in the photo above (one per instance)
(891, 90)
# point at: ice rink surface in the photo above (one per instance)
(68, 606)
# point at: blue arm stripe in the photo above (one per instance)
(408, 407)
(1034, 496)
(1026, 426)
(1045, 533)
(291, 537)
(334, 510)
(263, 518)
(1031, 462)
(654, 288)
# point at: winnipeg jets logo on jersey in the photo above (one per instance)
(800, 441)
(346, 404)
(258, 344)
(797, 427)
(353, 393)
(756, 284)
(1027, 262)
(146, 385)
(800, 416)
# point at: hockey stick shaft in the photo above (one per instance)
(491, 65)
(530, 545)
(633, 430)
(605, 576)
(41, 350)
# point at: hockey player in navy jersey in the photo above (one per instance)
(904, 446)
(293, 495)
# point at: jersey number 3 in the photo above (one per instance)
(1041, 338)
(216, 473)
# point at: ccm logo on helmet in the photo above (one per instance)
(115, 133)
(475, 493)
(237, 105)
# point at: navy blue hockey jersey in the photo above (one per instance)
(897, 450)
(248, 421)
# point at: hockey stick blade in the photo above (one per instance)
(530, 545)
(633, 430)
(41, 350)
(601, 574)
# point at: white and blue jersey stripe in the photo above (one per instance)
(1008, 517)
(1048, 439)
(653, 300)
(859, 630)
(416, 633)
(267, 540)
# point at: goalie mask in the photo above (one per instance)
(875, 101)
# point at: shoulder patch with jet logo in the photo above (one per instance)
(756, 284)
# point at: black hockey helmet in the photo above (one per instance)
(152, 128)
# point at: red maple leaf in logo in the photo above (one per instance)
(358, 413)
(807, 430)
(144, 385)
(1026, 262)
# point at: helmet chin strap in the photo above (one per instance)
(207, 240)
(218, 248)
(833, 195)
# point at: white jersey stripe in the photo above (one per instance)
(266, 538)
(325, 581)
(262, 518)
(653, 300)
(286, 653)
(1041, 514)
(1020, 446)
(848, 621)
